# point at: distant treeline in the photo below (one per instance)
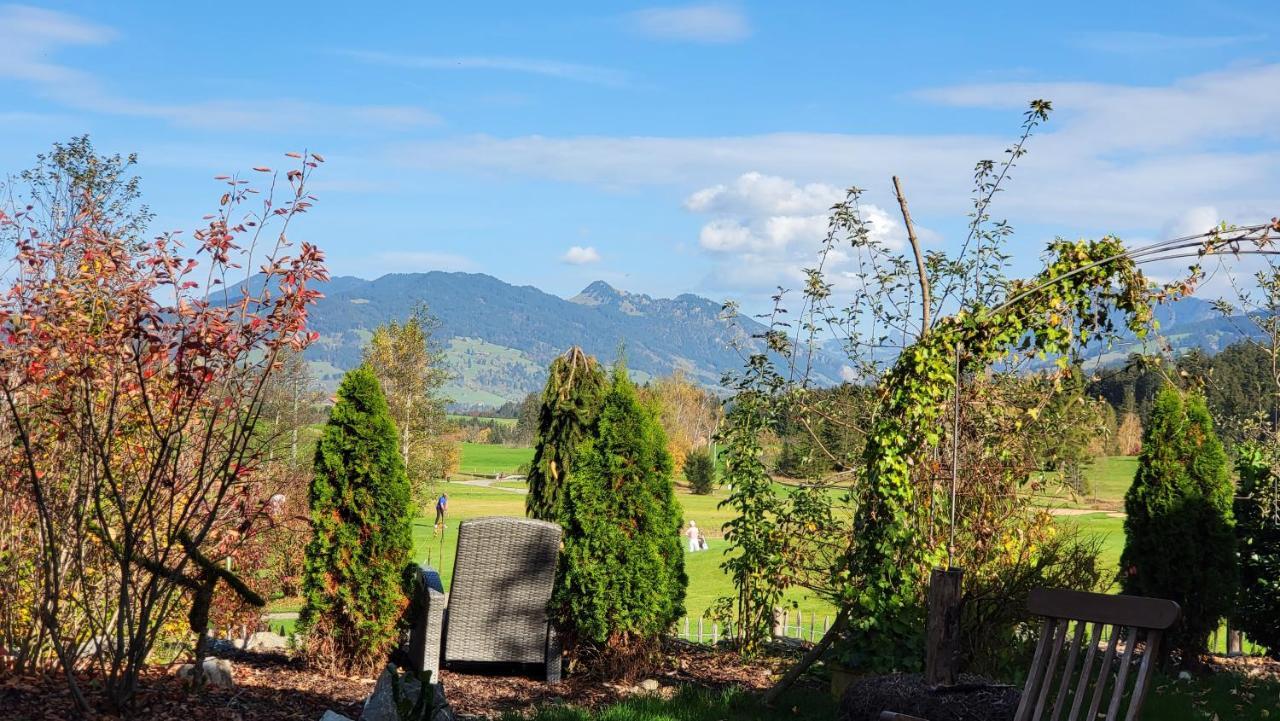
(493, 425)
(1238, 383)
(1072, 418)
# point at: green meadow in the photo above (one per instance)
(486, 459)
(708, 582)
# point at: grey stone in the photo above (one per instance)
(649, 684)
(266, 641)
(334, 716)
(218, 672)
(380, 706)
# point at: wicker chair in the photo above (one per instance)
(496, 609)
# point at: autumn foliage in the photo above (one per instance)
(131, 378)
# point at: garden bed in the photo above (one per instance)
(275, 687)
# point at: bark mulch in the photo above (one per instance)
(276, 687)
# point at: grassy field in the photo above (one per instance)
(486, 459)
(1221, 696)
(1110, 477)
(707, 582)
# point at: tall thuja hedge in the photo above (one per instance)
(1179, 531)
(1257, 510)
(622, 579)
(360, 515)
(575, 388)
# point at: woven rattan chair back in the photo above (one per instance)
(503, 575)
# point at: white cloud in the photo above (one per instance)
(1223, 105)
(31, 37)
(578, 255)
(1192, 221)
(528, 66)
(756, 192)
(705, 23)
(1112, 157)
(766, 229)
(1136, 42)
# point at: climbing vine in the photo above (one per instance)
(1084, 288)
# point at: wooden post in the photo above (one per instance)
(813, 622)
(715, 633)
(943, 629)
(686, 628)
(1235, 643)
(799, 624)
(779, 622)
(699, 629)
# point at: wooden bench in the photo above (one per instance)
(1076, 681)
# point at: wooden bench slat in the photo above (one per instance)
(1104, 608)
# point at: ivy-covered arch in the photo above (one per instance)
(1084, 290)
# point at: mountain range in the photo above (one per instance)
(498, 338)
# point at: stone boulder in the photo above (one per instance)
(973, 699)
(334, 716)
(266, 641)
(218, 672)
(381, 706)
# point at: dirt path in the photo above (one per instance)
(488, 483)
(1083, 512)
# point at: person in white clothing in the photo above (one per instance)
(692, 535)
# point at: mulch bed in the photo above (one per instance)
(275, 687)
(973, 699)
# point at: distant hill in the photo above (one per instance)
(499, 338)
(1190, 323)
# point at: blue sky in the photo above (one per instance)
(663, 148)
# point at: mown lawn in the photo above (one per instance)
(1111, 477)
(707, 581)
(487, 459)
(1219, 697)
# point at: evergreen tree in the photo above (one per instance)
(1258, 532)
(700, 471)
(571, 402)
(1179, 530)
(622, 579)
(360, 515)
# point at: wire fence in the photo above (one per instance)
(812, 627)
(786, 624)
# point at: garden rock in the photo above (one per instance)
(973, 699)
(333, 716)
(218, 672)
(381, 706)
(649, 684)
(266, 641)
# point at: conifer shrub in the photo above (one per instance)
(622, 581)
(1257, 511)
(361, 542)
(700, 471)
(575, 388)
(1179, 531)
